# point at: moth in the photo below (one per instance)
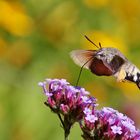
(106, 61)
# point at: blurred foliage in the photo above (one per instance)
(36, 37)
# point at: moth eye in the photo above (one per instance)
(102, 55)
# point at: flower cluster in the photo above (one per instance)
(66, 99)
(75, 104)
(109, 124)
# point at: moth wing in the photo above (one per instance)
(80, 57)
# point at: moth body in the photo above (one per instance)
(107, 62)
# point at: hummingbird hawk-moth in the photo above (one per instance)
(107, 62)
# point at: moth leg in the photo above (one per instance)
(121, 75)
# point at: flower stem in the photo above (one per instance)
(65, 126)
(66, 135)
(67, 131)
(68, 125)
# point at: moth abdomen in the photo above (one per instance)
(138, 80)
(134, 78)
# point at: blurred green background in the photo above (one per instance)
(36, 37)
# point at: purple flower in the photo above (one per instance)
(87, 111)
(108, 123)
(64, 108)
(91, 118)
(82, 90)
(86, 99)
(66, 99)
(116, 129)
(75, 104)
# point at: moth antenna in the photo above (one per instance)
(81, 71)
(100, 45)
(92, 42)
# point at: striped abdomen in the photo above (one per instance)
(132, 74)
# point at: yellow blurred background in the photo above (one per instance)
(36, 37)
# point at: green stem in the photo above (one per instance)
(67, 132)
(66, 126)
(66, 137)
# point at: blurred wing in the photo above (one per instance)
(80, 57)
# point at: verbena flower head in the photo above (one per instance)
(65, 99)
(76, 105)
(108, 124)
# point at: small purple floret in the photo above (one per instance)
(116, 129)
